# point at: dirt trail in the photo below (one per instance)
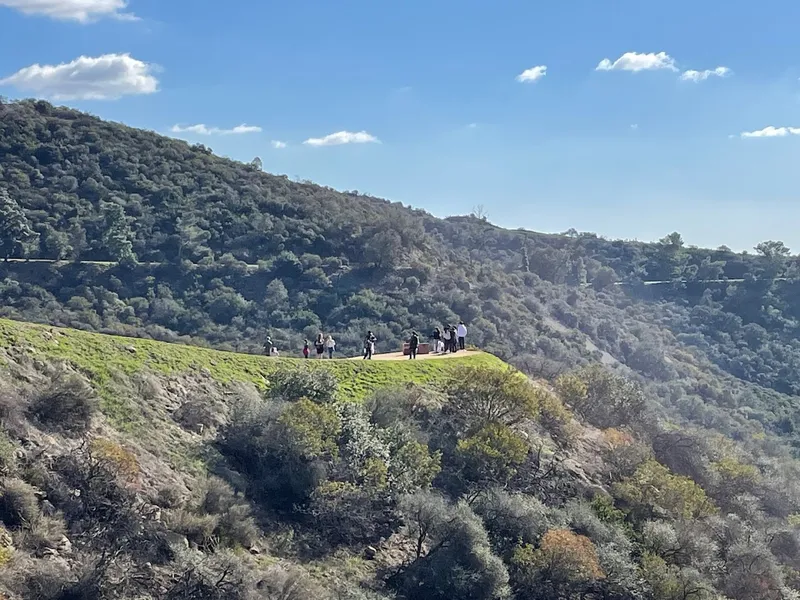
(399, 355)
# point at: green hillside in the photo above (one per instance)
(653, 454)
(104, 357)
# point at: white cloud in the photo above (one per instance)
(532, 74)
(343, 137)
(202, 129)
(771, 131)
(634, 61)
(635, 126)
(697, 76)
(106, 77)
(278, 145)
(83, 11)
(472, 126)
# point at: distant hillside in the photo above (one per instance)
(234, 254)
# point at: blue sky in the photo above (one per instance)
(621, 152)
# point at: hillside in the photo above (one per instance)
(135, 468)
(675, 477)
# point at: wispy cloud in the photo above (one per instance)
(343, 137)
(532, 74)
(83, 11)
(771, 131)
(105, 77)
(278, 145)
(697, 76)
(201, 129)
(635, 126)
(635, 62)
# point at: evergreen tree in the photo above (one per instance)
(15, 232)
(117, 235)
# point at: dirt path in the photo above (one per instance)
(399, 355)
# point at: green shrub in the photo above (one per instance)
(66, 405)
(492, 454)
(293, 383)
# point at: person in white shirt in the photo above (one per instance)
(462, 334)
(330, 346)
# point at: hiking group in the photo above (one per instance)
(450, 338)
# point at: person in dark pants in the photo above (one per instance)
(369, 345)
(437, 338)
(413, 344)
(461, 331)
(453, 340)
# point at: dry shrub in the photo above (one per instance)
(8, 459)
(44, 533)
(196, 415)
(19, 505)
(116, 458)
(66, 406)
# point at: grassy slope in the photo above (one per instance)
(101, 357)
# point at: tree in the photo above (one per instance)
(486, 395)
(15, 232)
(773, 249)
(256, 163)
(117, 235)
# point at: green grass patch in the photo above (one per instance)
(101, 356)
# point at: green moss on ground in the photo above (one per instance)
(100, 357)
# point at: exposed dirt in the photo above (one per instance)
(399, 355)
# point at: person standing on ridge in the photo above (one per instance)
(413, 344)
(268, 346)
(437, 339)
(446, 338)
(369, 345)
(319, 345)
(453, 340)
(306, 349)
(330, 345)
(462, 335)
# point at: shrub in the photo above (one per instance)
(42, 534)
(115, 458)
(19, 505)
(410, 404)
(512, 518)
(459, 562)
(66, 405)
(563, 566)
(293, 383)
(485, 395)
(8, 459)
(655, 486)
(283, 449)
(344, 513)
(601, 397)
(492, 454)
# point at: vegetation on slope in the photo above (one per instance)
(677, 481)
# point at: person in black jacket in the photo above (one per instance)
(437, 338)
(413, 344)
(369, 345)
